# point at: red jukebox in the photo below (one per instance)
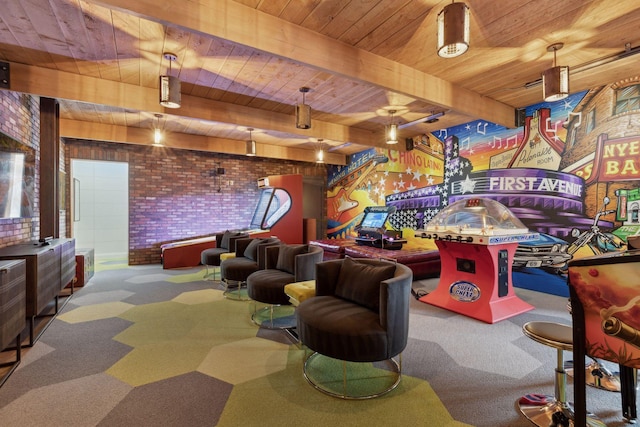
(477, 239)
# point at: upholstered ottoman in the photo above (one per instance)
(333, 248)
(300, 291)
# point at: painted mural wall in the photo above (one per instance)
(570, 173)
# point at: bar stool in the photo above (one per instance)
(545, 410)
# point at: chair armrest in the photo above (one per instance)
(305, 267)
(271, 256)
(219, 239)
(262, 251)
(395, 296)
(241, 246)
(233, 239)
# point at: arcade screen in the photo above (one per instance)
(374, 219)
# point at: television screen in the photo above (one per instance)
(17, 179)
(374, 219)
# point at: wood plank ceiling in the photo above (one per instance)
(242, 63)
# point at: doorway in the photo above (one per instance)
(100, 207)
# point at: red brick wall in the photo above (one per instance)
(20, 119)
(172, 197)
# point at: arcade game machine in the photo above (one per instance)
(605, 307)
(279, 209)
(372, 231)
(477, 239)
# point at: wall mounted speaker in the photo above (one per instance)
(409, 142)
(220, 171)
(521, 115)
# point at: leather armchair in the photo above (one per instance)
(284, 264)
(360, 314)
(225, 242)
(249, 258)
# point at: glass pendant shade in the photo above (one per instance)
(391, 132)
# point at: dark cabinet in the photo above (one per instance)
(12, 308)
(49, 268)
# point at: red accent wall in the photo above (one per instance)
(289, 228)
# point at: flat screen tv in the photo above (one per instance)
(17, 178)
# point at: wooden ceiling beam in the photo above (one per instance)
(77, 129)
(62, 85)
(235, 22)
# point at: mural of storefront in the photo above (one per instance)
(569, 173)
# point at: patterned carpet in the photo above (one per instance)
(145, 346)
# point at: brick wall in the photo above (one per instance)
(20, 119)
(172, 197)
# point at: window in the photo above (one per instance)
(627, 99)
(591, 120)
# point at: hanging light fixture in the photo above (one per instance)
(170, 96)
(320, 152)
(157, 132)
(555, 80)
(391, 130)
(303, 112)
(251, 145)
(453, 30)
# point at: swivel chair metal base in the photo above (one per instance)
(552, 411)
(211, 276)
(235, 290)
(598, 376)
(275, 316)
(352, 386)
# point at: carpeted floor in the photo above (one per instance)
(145, 346)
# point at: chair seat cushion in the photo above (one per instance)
(237, 269)
(212, 256)
(268, 286)
(341, 329)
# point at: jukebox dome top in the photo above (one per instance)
(476, 216)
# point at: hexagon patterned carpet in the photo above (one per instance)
(143, 346)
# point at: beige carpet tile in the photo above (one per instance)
(199, 297)
(39, 350)
(245, 360)
(158, 361)
(95, 312)
(88, 298)
(77, 402)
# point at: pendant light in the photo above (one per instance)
(320, 152)
(251, 145)
(555, 80)
(157, 132)
(303, 112)
(170, 96)
(391, 130)
(453, 30)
